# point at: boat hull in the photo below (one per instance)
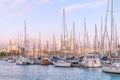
(93, 65)
(111, 69)
(45, 62)
(62, 64)
(90, 64)
(21, 63)
(91, 60)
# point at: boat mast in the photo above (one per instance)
(54, 45)
(25, 45)
(47, 48)
(34, 47)
(101, 36)
(96, 40)
(74, 40)
(80, 46)
(71, 51)
(18, 43)
(65, 38)
(116, 38)
(64, 32)
(39, 45)
(112, 25)
(105, 34)
(61, 46)
(84, 40)
(87, 42)
(10, 43)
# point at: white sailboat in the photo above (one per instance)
(114, 62)
(90, 60)
(112, 67)
(23, 59)
(63, 62)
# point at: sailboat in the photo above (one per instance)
(63, 62)
(23, 59)
(90, 60)
(73, 49)
(37, 60)
(114, 59)
(45, 59)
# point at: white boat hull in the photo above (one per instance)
(23, 61)
(91, 64)
(62, 64)
(111, 69)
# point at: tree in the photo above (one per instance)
(2, 54)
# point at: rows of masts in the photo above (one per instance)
(71, 45)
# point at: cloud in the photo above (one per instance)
(43, 2)
(19, 8)
(10, 8)
(75, 7)
(15, 3)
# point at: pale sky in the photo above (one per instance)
(45, 16)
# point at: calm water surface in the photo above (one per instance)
(11, 71)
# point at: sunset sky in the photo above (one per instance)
(45, 16)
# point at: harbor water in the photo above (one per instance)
(11, 71)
